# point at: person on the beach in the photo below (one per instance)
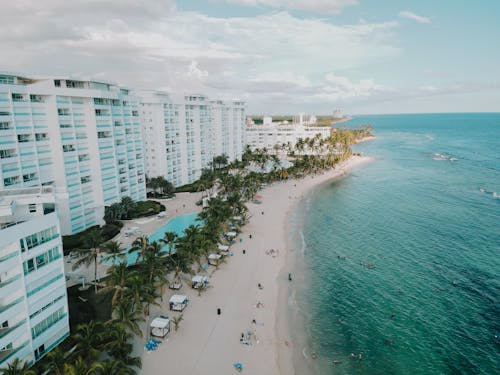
(259, 285)
(289, 277)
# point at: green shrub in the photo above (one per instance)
(147, 208)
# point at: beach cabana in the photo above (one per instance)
(231, 234)
(178, 302)
(160, 326)
(223, 248)
(237, 218)
(162, 214)
(198, 280)
(214, 259)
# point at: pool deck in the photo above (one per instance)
(183, 203)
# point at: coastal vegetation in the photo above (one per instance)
(102, 344)
(126, 209)
(160, 188)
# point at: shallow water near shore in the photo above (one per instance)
(400, 259)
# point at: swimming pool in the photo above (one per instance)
(177, 225)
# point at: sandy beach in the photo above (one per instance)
(208, 343)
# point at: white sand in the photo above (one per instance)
(207, 343)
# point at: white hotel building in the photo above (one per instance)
(33, 301)
(82, 137)
(266, 136)
(181, 137)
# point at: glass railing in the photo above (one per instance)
(45, 284)
(50, 325)
(42, 241)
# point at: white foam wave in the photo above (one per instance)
(303, 243)
(438, 156)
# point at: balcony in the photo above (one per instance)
(6, 333)
(6, 354)
(6, 307)
(13, 310)
(11, 285)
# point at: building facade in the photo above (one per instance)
(267, 136)
(82, 137)
(33, 300)
(181, 137)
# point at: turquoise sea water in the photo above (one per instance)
(426, 214)
(177, 225)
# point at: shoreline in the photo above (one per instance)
(209, 343)
(297, 360)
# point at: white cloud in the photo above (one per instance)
(150, 44)
(319, 6)
(414, 17)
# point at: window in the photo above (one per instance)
(41, 136)
(57, 83)
(32, 208)
(29, 266)
(8, 181)
(4, 125)
(41, 260)
(68, 148)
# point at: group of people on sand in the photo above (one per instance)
(274, 253)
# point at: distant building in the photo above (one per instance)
(33, 298)
(304, 119)
(83, 137)
(337, 114)
(181, 137)
(267, 120)
(261, 136)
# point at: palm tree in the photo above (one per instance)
(177, 320)
(125, 315)
(88, 341)
(180, 263)
(128, 207)
(115, 367)
(16, 367)
(140, 244)
(91, 252)
(169, 239)
(117, 281)
(55, 361)
(113, 251)
(119, 347)
(79, 367)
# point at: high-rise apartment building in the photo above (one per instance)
(33, 300)
(181, 137)
(82, 137)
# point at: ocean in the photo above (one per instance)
(400, 260)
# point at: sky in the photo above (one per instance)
(280, 56)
